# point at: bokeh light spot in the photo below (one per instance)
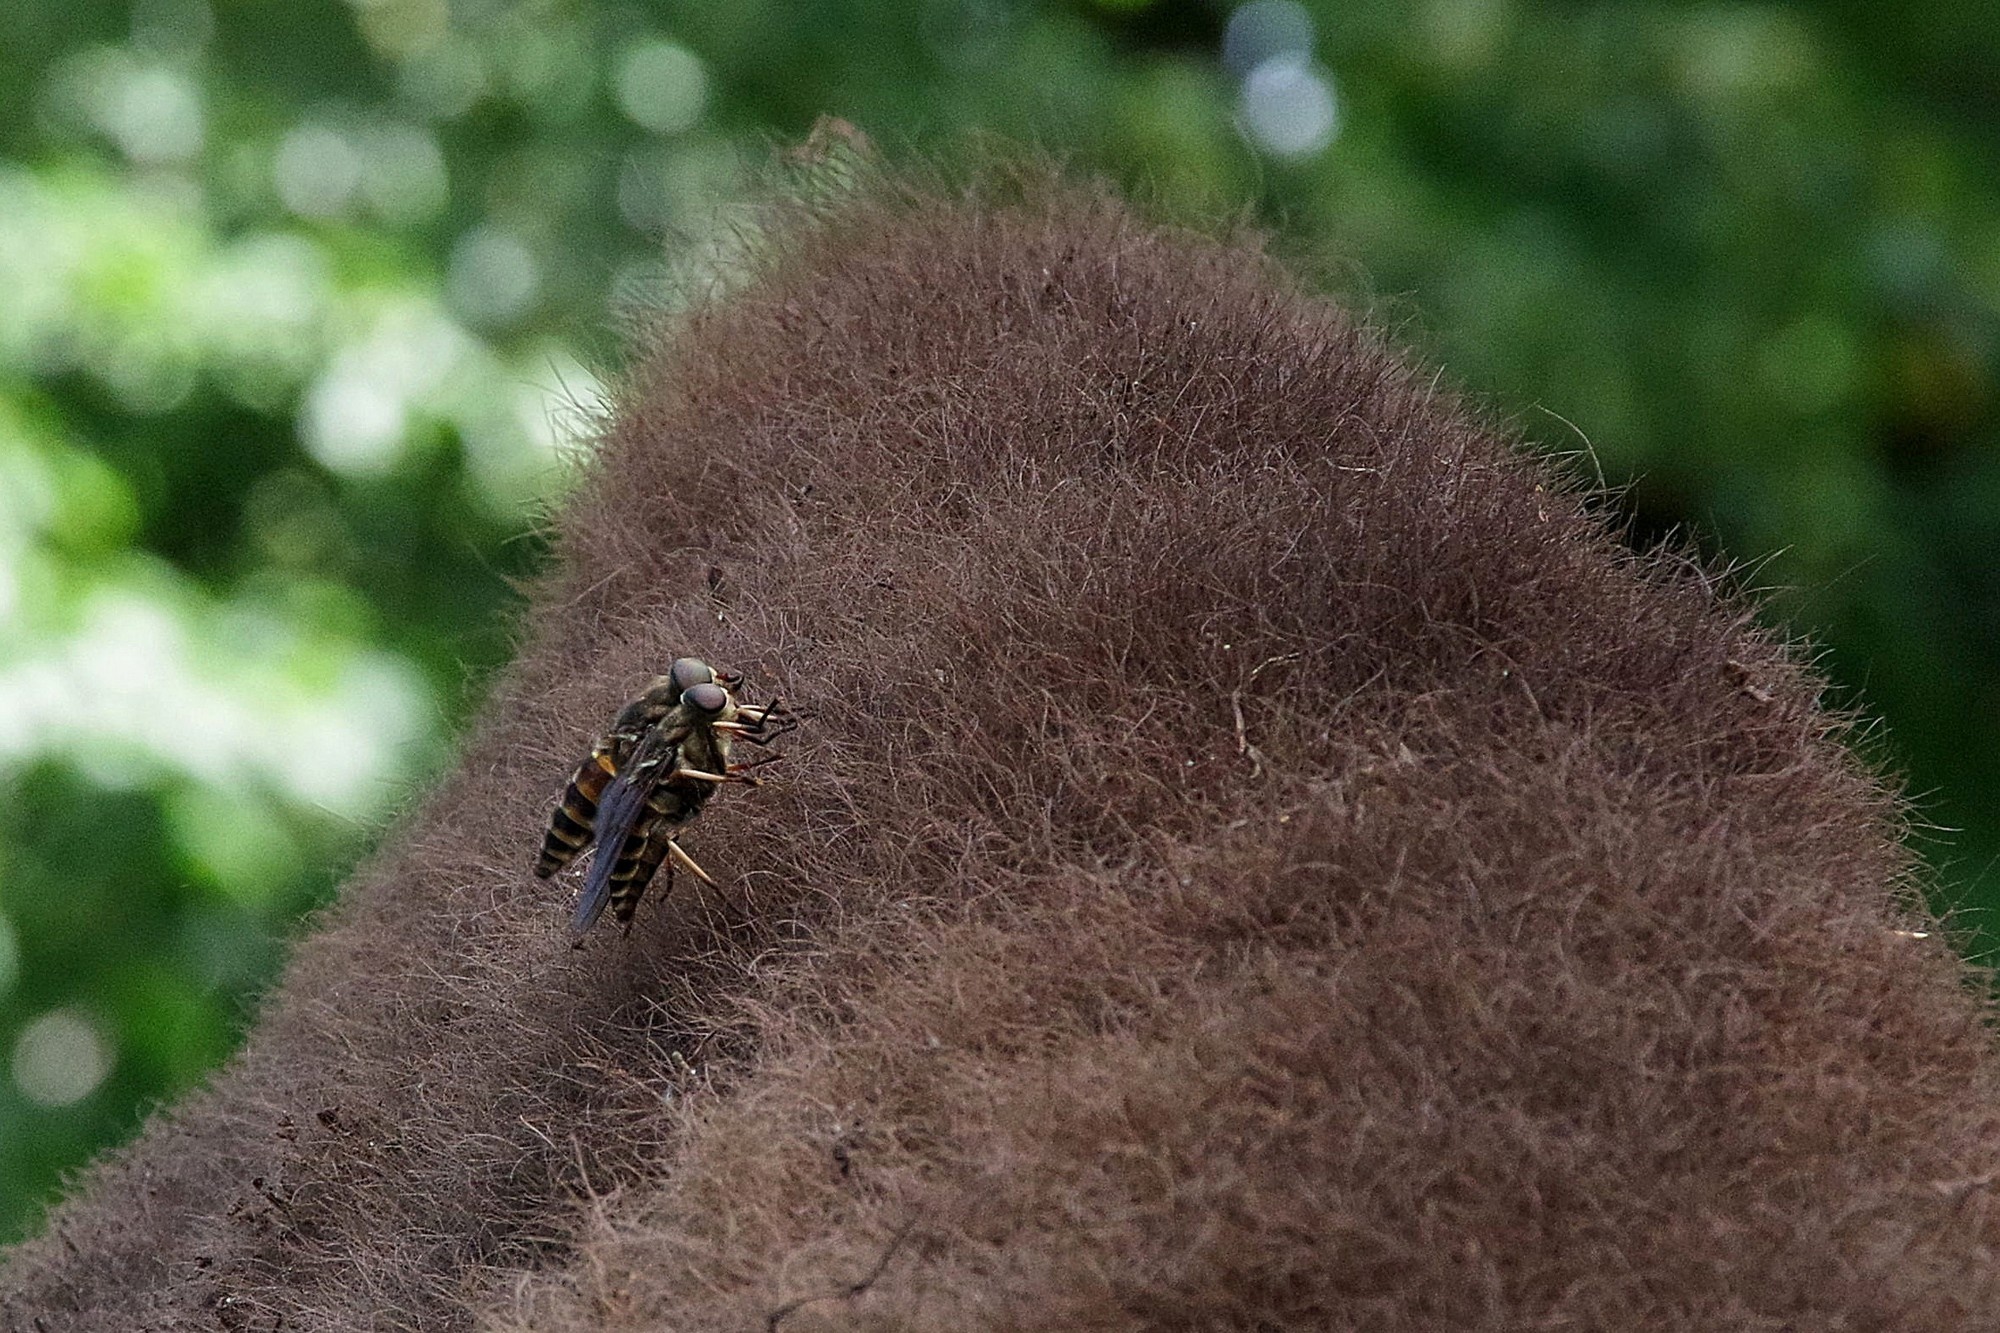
(347, 747)
(150, 109)
(264, 305)
(60, 1058)
(316, 171)
(403, 174)
(400, 29)
(354, 420)
(661, 86)
(1727, 52)
(154, 114)
(671, 187)
(1288, 107)
(234, 838)
(493, 276)
(1265, 30)
(445, 81)
(1467, 34)
(172, 27)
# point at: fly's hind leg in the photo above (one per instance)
(688, 863)
(751, 765)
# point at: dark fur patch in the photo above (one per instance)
(1260, 855)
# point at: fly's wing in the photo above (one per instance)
(617, 818)
(573, 825)
(623, 815)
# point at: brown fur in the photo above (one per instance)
(1260, 856)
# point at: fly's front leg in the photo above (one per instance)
(767, 722)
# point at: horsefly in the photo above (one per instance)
(649, 777)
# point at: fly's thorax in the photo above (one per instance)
(662, 741)
(672, 804)
(658, 696)
(663, 694)
(705, 749)
(636, 716)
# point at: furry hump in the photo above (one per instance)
(1260, 855)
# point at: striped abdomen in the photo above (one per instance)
(574, 822)
(669, 807)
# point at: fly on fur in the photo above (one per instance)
(646, 779)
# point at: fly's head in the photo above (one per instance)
(663, 693)
(707, 745)
(716, 718)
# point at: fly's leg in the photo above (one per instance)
(766, 722)
(697, 775)
(674, 850)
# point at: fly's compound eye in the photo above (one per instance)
(707, 697)
(688, 672)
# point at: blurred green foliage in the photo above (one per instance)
(297, 303)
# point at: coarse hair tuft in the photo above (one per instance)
(1260, 855)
